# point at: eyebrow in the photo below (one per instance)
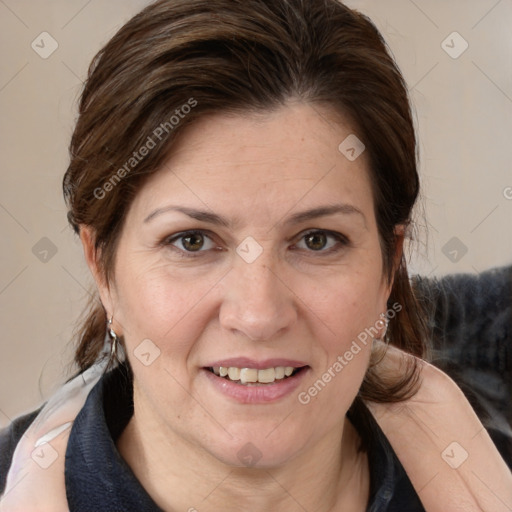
(297, 218)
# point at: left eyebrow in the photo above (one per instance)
(324, 211)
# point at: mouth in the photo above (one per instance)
(250, 381)
(255, 376)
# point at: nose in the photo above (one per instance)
(256, 302)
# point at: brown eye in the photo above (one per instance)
(193, 242)
(316, 241)
(322, 242)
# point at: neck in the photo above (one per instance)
(331, 475)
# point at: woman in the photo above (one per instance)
(242, 178)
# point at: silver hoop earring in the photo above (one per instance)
(385, 319)
(114, 341)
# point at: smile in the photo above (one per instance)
(254, 376)
(250, 382)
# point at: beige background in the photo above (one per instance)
(464, 115)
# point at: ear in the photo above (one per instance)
(88, 239)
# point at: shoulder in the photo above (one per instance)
(9, 437)
(436, 431)
(453, 389)
(444, 403)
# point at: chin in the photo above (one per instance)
(262, 448)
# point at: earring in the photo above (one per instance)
(113, 335)
(385, 320)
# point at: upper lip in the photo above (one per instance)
(245, 362)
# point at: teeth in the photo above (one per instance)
(252, 375)
(280, 372)
(248, 375)
(233, 373)
(266, 376)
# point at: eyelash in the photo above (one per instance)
(342, 242)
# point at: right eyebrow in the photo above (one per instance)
(201, 215)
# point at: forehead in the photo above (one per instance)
(268, 163)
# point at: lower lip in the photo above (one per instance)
(256, 394)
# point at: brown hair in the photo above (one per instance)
(240, 56)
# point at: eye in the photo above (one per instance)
(321, 241)
(191, 241)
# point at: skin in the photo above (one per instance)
(292, 301)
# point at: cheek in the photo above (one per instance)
(345, 317)
(346, 310)
(161, 305)
(346, 305)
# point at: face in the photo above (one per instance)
(254, 247)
